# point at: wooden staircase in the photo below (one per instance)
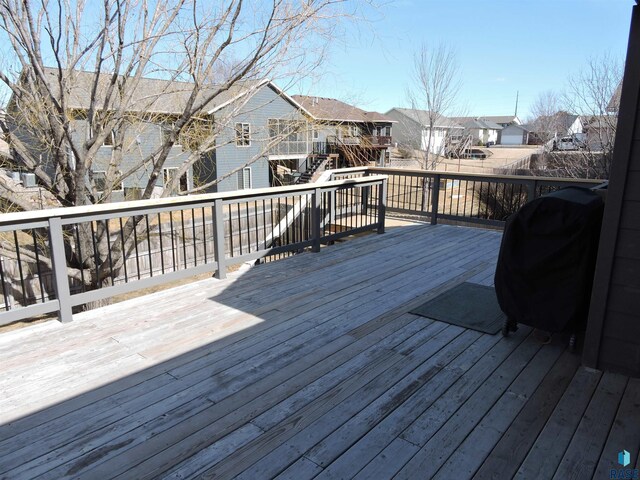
(317, 162)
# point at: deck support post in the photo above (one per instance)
(435, 199)
(60, 277)
(218, 241)
(382, 205)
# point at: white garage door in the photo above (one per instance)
(512, 139)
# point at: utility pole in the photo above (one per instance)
(517, 95)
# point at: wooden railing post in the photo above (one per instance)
(382, 205)
(435, 199)
(218, 240)
(316, 219)
(60, 277)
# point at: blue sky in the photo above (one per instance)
(503, 46)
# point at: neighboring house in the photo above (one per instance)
(549, 129)
(614, 103)
(514, 135)
(482, 131)
(413, 130)
(600, 132)
(356, 136)
(245, 117)
(268, 130)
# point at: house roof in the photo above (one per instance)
(502, 118)
(600, 121)
(477, 122)
(525, 128)
(422, 116)
(566, 119)
(151, 95)
(330, 109)
(614, 104)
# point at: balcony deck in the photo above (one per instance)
(309, 366)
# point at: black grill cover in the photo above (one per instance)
(547, 260)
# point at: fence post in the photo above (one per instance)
(218, 240)
(60, 277)
(316, 219)
(435, 199)
(382, 205)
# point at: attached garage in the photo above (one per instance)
(514, 135)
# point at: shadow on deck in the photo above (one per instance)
(310, 366)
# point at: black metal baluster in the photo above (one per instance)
(195, 243)
(5, 294)
(184, 239)
(106, 228)
(175, 262)
(230, 230)
(146, 219)
(136, 222)
(24, 295)
(239, 226)
(96, 256)
(80, 260)
(35, 249)
(124, 256)
(204, 235)
(161, 247)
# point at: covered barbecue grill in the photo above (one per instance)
(547, 260)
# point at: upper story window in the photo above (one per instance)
(243, 134)
(168, 174)
(109, 140)
(387, 131)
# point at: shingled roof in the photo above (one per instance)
(422, 117)
(151, 95)
(330, 109)
(477, 122)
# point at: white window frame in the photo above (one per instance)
(164, 178)
(112, 135)
(118, 173)
(242, 175)
(241, 133)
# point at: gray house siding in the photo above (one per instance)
(265, 104)
(406, 133)
(613, 332)
(141, 139)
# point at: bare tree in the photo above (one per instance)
(589, 95)
(545, 118)
(433, 93)
(203, 52)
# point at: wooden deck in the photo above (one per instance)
(310, 367)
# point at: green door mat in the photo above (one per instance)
(468, 305)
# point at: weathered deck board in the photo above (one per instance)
(307, 367)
